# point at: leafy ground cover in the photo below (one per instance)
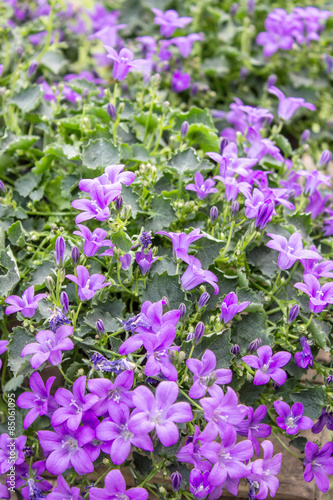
(165, 246)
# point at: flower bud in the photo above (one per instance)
(224, 143)
(233, 9)
(75, 255)
(184, 129)
(271, 80)
(194, 89)
(85, 93)
(125, 261)
(32, 68)
(204, 298)
(264, 214)
(119, 202)
(199, 331)
(305, 136)
(49, 283)
(111, 111)
(2, 187)
(28, 451)
(325, 158)
(294, 312)
(60, 248)
(182, 309)
(100, 326)
(235, 350)
(176, 479)
(19, 52)
(329, 380)
(254, 345)
(234, 207)
(165, 303)
(64, 301)
(214, 213)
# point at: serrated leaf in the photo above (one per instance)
(9, 279)
(204, 136)
(10, 142)
(130, 198)
(218, 343)
(63, 150)
(320, 332)
(162, 214)
(27, 100)
(53, 60)
(282, 142)
(16, 234)
(164, 265)
(185, 161)
(313, 400)
(26, 184)
(208, 249)
(41, 272)
(19, 338)
(100, 153)
(264, 259)
(122, 241)
(164, 286)
(252, 326)
(195, 115)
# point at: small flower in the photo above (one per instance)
(145, 239)
(195, 275)
(169, 21)
(60, 250)
(180, 81)
(145, 260)
(264, 471)
(325, 418)
(252, 428)
(49, 346)
(64, 492)
(10, 458)
(304, 359)
(205, 376)
(92, 241)
(123, 62)
(88, 285)
(39, 400)
(268, 366)
(201, 187)
(318, 464)
(290, 251)
(291, 419)
(319, 295)
(230, 307)
(182, 241)
(27, 305)
(3, 348)
(110, 393)
(265, 214)
(115, 487)
(57, 319)
(288, 105)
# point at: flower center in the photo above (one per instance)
(158, 417)
(125, 433)
(75, 404)
(114, 395)
(70, 444)
(291, 422)
(319, 294)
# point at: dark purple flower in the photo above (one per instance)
(93, 241)
(64, 301)
(119, 202)
(252, 428)
(87, 285)
(169, 21)
(39, 400)
(294, 312)
(32, 68)
(57, 319)
(288, 105)
(145, 260)
(318, 464)
(63, 492)
(205, 377)
(27, 305)
(291, 419)
(290, 251)
(204, 298)
(182, 310)
(253, 346)
(230, 307)
(235, 350)
(329, 380)
(110, 393)
(100, 327)
(304, 359)
(11, 452)
(305, 136)
(265, 213)
(264, 471)
(145, 239)
(180, 81)
(60, 248)
(123, 62)
(182, 241)
(176, 479)
(319, 295)
(325, 418)
(195, 275)
(49, 346)
(326, 157)
(115, 487)
(268, 366)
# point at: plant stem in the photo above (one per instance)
(229, 239)
(286, 447)
(65, 377)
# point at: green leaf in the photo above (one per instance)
(122, 241)
(13, 383)
(209, 249)
(53, 193)
(185, 161)
(63, 150)
(283, 143)
(130, 198)
(10, 142)
(249, 394)
(302, 223)
(19, 338)
(219, 343)
(54, 61)
(164, 286)
(27, 99)
(195, 115)
(142, 464)
(41, 272)
(100, 153)
(320, 332)
(43, 164)
(313, 400)
(164, 265)
(162, 214)
(16, 234)
(252, 326)
(12, 277)
(26, 184)
(109, 313)
(256, 299)
(264, 259)
(204, 136)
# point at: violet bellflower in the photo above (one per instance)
(265, 214)
(64, 492)
(145, 260)
(160, 411)
(182, 241)
(57, 318)
(205, 376)
(49, 346)
(319, 295)
(95, 208)
(11, 452)
(27, 305)
(200, 485)
(87, 285)
(292, 419)
(279, 26)
(317, 205)
(264, 471)
(180, 81)
(123, 62)
(268, 366)
(195, 275)
(229, 162)
(3, 348)
(304, 359)
(203, 299)
(318, 464)
(252, 428)
(191, 451)
(158, 358)
(125, 260)
(318, 269)
(325, 158)
(185, 43)
(169, 21)
(290, 250)
(230, 307)
(288, 105)
(110, 393)
(151, 319)
(92, 241)
(325, 418)
(111, 180)
(115, 487)
(39, 400)
(313, 180)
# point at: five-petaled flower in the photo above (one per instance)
(27, 305)
(230, 307)
(115, 488)
(267, 365)
(290, 250)
(87, 285)
(318, 464)
(292, 419)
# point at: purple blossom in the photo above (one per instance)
(169, 21)
(110, 393)
(260, 147)
(145, 260)
(195, 275)
(290, 250)
(111, 180)
(182, 241)
(145, 239)
(3, 348)
(160, 411)
(317, 205)
(304, 359)
(158, 359)
(27, 305)
(11, 452)
(279, 27)
(268, 366)
(313, 180)
(92, 241)
(318, 269)
(291, 185)
(115, 487)
(123, 62)
(230, 164)
(325, 418)
(204, 298)
(180, 81)
(205, 376)
(125, 261)
(87, 285)
(325, 158)
(39, 400)
(288, 105)
(319, 295)
(63, 492)
(185, 43)
(97, 207)
(318, 464)
(253, 204)
(200, 485)
(264, 471)
(252, 428)
(230, 307)
(176, 479)
(294, 312)
(191, 452)
(265, 214)
(66, 449)
(291, 419)
(151, 319)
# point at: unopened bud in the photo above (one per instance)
(75, 255)
(125, 261)
(294, 312)
(271, 80)
(19, 52)
(235, 350)
(182, 309)
(60, 248)
(2, 187)
(112, 111)
(223, 144)
(234, 207)
(32, 68)
(49, 283)
(176, 479)
(254, 345)
(305, 136)
(204, 298)
(119, 202)
(64, 301)
(85, 93)
(213, 213)
(184, 129)
(100, 326)
(325, 158)
(199, 331)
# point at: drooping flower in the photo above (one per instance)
(292, 419)
(64, 492)
(288, 105)
(115, 487)
(264, 471)
(205, 376)
(319, 295)
(252, 428)
(123, 62)
(268, 366)
(87, 285)
(11, 452)
(145, 260)
(27, 305)
(111, 393)
(304, 359)
(92, 241)
(290, 251)
(195, 275)
(318, 464)
(182, 241)
(230, 307)
(169, 21)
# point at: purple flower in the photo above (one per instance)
(185, 43)
(195, 275)
(158, 359)
(265, 214)
(252, 428)
(57, 318)
(92, 241)
(325, 418)
(11, 452)
(314, 179)
(205, 376)
(230, 307)
(72, 406)
(64, 301)
(317, 205)
(229, 162)
(180, 81)
(288, 105)
(304, 359)
(200, 485)
(291, 419)
(66, 449)
(111, 180)
(27, 305)
(253, 204)
(123, 62)
(176, 479)
(260, 147)
(145, 239)
(268, 366)
(88, 285)
(39, 400)
(318, 464)
(290, 251)
(110, 393)
(3, 348)
(204, 298)
(279, 27)
(169, 21)
(63, 492)
(145, 260)
(115, 487)
(182, 241)
(97, 207)
(151, 319)
(319, 295)
(60, 250)
(160, 411)
(125, 261)
(49, 346)
(264, 471)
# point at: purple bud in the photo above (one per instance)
(233, 9)
(176, 479)
(264, 214)
(125, 261)
(165, 302)
(194, 89)
(2, 187)
(182, 310)
(326, 157)
(329, 380)
(254, 345)
(199, 331)
(275, 386)
(271, 80)
(60, 248)
(223, 144)
(305, 136)
(184, 129)
(243, 73)
(119, 202)
(28, 451)
(100, 326)
(64, 301)
(214, 213)
(19, 52)
(112, 111)
(235, 350)
(204, 298)
(234, 207)
(294, 312)
(250, 6)
(85, 93)
(32, 68)
(75, 255)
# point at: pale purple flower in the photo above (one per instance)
(185, 43)
(123, 62)
(195, 275)
(205, 376)
(87, 285)
(264, 471)
(158, 359)
(169, 21)
(317, 205)
(3, 348)
(125, 261)
(27, 305)
(319, 295)
(279, 27)
(145, 260)
(318, 464)
(182, 241)
(328, 227)
(230, 307)
(290, 250)
(254, 202)
(11, 452)
(49, 346)
(200, 485)
(95, 208)
(268, 366)
(108, 35)
(233, 187)
(180, 81)
(260, 147)
(292, 419)
(115, 487)
(39, 400)
(304, 359)
(160, 411)
(291, 185)
(151, 319)
(111, 180)
(325, 418)
(110, 393)
(314, 179)
(191, 452)
(229, 162)
(92, 241)
(64, 492)
(252, 428)
(288, 105)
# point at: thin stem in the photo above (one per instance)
(103, 475)
(308, 323)
(191, 400)
(77, 314)
(65, 377)
(229, 239)
(286, 446)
